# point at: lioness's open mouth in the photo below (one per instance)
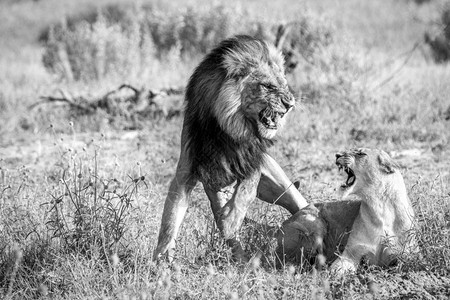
(269, 118)
(351, 178)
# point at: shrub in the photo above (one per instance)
(304, 39)
(419, 2)
(87, 218)
(89, 212)
(91, 51)
(112, 14)
(195, 31)
(122, 39)
(439, 43)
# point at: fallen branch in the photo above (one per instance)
(126, 101)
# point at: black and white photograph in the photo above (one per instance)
(238, 149)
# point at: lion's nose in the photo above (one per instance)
(288, 105)
(288, 101)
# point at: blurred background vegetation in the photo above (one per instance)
(339, 56)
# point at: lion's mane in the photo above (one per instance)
(223, 143)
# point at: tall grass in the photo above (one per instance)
(80, 214)
(79, 232)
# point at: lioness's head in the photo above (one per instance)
(255, 97)
(363, 168)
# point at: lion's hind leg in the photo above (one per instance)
(230, 210)
(218, 199)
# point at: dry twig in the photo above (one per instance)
(140, 101)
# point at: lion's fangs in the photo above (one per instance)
(269, 118)
(350, 180)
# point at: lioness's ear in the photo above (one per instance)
(387, 164)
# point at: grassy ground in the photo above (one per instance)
(81, 201)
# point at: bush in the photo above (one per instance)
(122, 39)
(91, 51)
(304, 39)
(439, 43)
(194, 31)
(112, 14)
(86, 216)
(90, 213)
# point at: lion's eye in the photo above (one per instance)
(358, 152)
(268, 86)
(361, 153)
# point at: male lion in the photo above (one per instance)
(378, 226)
(236, 102)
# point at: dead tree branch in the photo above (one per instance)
(125, 101)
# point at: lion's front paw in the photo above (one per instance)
(164, 252)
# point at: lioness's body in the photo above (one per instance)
(383, 228)
(236, 101)
(319, 228)
(378, 225)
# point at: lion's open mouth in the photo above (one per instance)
(351, 178)
(269, 118)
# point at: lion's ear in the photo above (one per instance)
(387, 164)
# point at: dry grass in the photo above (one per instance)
(80, 201)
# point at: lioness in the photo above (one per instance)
(378, 226)
(383, 227)
(237, 100)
